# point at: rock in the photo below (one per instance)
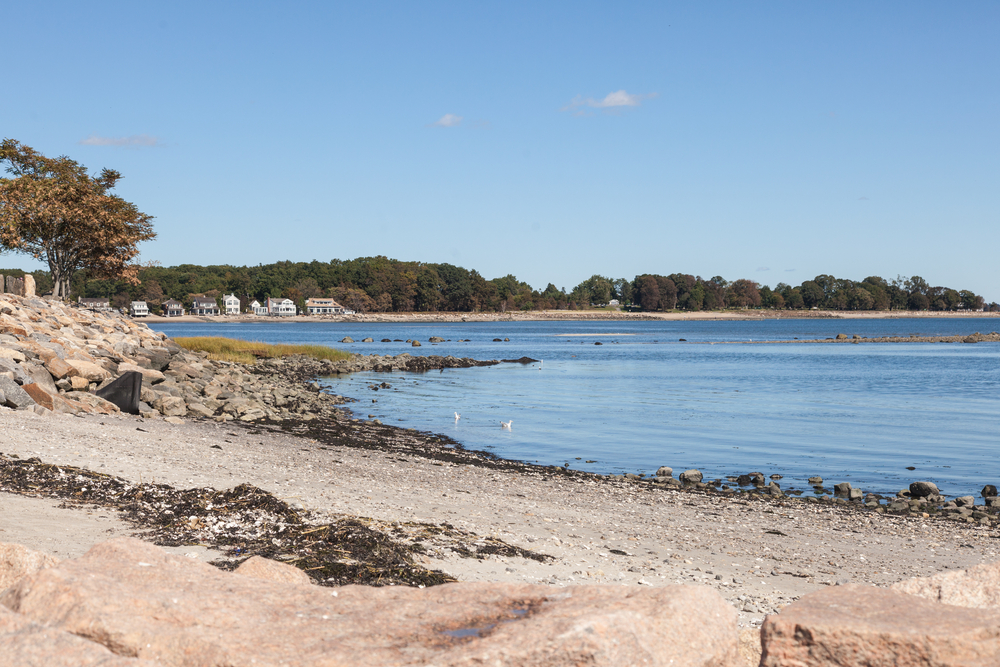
(89, 370)
(14, 396)
(346, 339)
(13, 355)
(173, 420)
(18, 561)
(368, 340)
(272, 570)
(435, 339)
(965, 501)
(40, 376)
(664, 471)
(691, 476)
(16, 372)
(841, 336)
(864, 625)
(59, 369)
(923, 489)
(989, 491)
(842, 489)
(170, 406)
(977, 587)
(124, 391)
(77, 383)
(199, 410)
(855, 494)
(149, 375)
(148, 604)
(29, 286)
(92, 402)
(415, 343)
(816, 481)
(25, 643)
(40, 396)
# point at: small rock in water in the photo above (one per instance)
(346, 339)
(923, 489)
(989, 491)
(692, 476)
(667, 471)
(965, 501)
(842, 489)
(816, 481)
(775, 476)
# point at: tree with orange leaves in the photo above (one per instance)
(53, 210)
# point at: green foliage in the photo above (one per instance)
(247, 352)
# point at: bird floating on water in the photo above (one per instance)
(506, 425)
(457, 417)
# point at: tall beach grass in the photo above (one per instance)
(249, 351)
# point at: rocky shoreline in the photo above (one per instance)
(261, 462)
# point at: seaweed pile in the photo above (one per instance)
(247, 521)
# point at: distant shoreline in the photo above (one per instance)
(574, 315)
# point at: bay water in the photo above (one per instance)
(718, 401)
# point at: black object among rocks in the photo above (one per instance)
(124, 392)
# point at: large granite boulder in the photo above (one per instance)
(139, 601)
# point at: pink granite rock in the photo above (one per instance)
(978, 587)
(24, 643)
(139, 601)
(17, 561)
(272, 570)
(864, 626)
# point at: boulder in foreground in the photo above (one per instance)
(137, 600)
(864, 626)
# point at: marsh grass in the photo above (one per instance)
(249, 351)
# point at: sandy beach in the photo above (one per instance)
(760, 554)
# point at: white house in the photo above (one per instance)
(204, 305)
(280, 307)
(231, 303)
(172, 308)
(94, 304)
(323, 307)
(257, 308)
(139, 309)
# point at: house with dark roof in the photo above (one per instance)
(281, 307)
(204, 305)
(172, 308)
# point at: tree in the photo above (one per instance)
(55, 211)
(649, 292)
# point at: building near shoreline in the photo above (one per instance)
(138, 309)
(172, 308)
(258, 309)
(323, 307)
(94, 303)
(281, 307)
(231, 304)
(204, 305)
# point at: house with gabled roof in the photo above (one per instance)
(138, 309)
(257, 308)
(231, 304)
(204, 305)
(281, 307)
(322, 306)
(172, 308)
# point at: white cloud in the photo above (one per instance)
(619, 98)
(133, 141)
(763, 268)
(448, 120)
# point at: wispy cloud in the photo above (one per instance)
(447, 120)
(617, 99)
(763, 268)
(862, 198)
(133, 141)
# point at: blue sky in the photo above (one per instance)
(772, 141)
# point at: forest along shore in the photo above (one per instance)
(580, 315)
(232, 483)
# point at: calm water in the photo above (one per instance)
(860, 413)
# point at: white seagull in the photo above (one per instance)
(506, 425)
(457, 417)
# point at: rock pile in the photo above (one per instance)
(54, 357)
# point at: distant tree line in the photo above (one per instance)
(379, 284)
